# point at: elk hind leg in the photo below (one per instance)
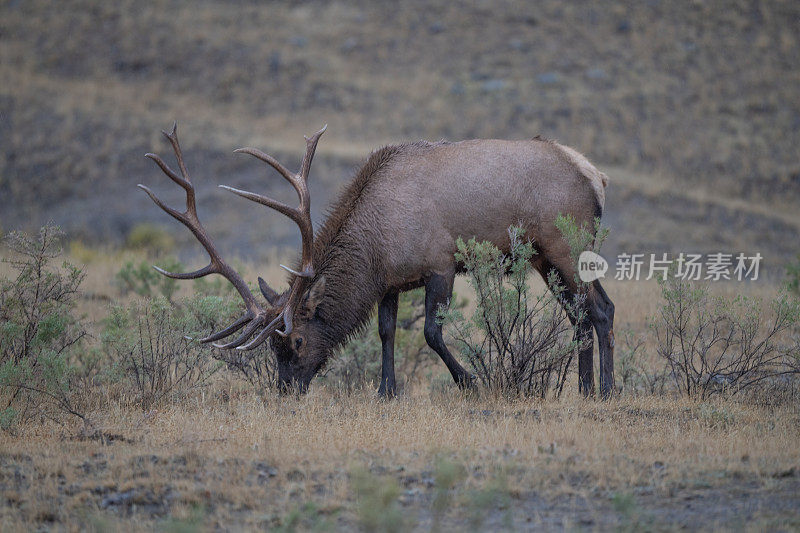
(601, 309)
(574, 305)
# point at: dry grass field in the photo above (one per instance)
(691, 108)
(207, 464)
(223, 457)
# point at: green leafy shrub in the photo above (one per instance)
(580, 238)
(215, 286)
(142, 279)
(377, 502)
(155, 348)
(40, 333)
(517, 342)
(150, 238)
(636, 372)
(713, 344)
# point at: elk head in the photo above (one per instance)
(299, 346)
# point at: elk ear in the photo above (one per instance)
(314, 295)
(267, 291)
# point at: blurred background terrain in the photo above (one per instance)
(691, 108)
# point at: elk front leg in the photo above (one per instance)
(438, 290)
(387, 323)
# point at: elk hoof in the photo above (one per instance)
(386, 394)
(467, 381)
(606, 390)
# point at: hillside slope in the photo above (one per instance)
(692, 108)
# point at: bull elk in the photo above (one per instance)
(394, 228)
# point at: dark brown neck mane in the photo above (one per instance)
(346, 255)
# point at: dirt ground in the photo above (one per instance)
(425, 461)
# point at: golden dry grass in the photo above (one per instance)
(247, 463)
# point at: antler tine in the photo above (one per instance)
(301, 215)
(311, 147)
(184, 181)
(254, 314)
(241, 339)
(271, 161)
(271, 328)
(233, 328)
(280, 207)
(306, 228)
(172, 137)
(199, 273)
(171, 212)
(168, 171)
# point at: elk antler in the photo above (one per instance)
(254, 314)
(301, 216)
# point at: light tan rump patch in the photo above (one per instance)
(598, 179)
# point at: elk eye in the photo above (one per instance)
(298, 342)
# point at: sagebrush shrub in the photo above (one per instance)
(636, 371)
(581, 238)
(140, 278)
(715, 344)
(153, 345)
(40, 333)
(517, 342)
